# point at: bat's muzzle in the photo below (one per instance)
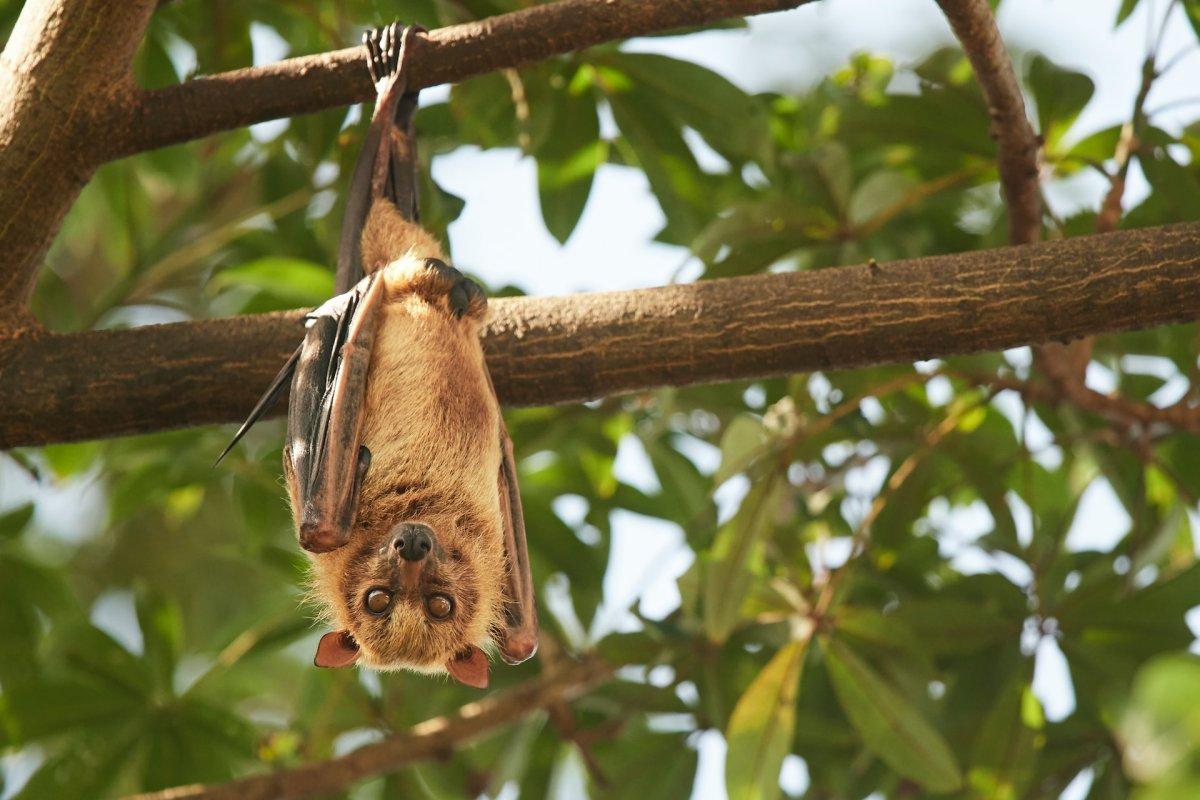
(414, 541)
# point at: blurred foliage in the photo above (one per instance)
(880, 556)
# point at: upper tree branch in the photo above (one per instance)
(431, 739)
(553, 350)
(302, 85)
(68, 103)
(64, 59)
(1018, 145)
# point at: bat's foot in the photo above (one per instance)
(442, 286)
(464, 297)
(385, 47)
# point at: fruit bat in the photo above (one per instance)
(398, 463)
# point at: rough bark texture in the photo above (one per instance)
(1018, 145)
(564, 349)
(431, 739)
(311, 83)
(63, 60)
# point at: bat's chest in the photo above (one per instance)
(430, 416)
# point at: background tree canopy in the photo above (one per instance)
(878, 558)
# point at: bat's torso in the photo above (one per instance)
(431, 419)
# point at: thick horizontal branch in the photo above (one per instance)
(431, 739)
(567, 349)
(302, 85)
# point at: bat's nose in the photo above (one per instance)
(413, 541)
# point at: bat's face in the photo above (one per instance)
(423, 593)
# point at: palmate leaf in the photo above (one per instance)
(890, 726)
(761, 726)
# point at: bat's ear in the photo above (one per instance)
(336, 649)
(470, 667)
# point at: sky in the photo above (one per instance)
(500, 236)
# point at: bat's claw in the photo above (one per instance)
(464, 297)
(385, 46)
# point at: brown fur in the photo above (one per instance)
(432, 426)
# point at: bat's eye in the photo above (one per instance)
(378, 601)
(439, 606)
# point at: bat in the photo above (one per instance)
(398, 463)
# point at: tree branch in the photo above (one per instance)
(567, 349)
(431, 739)
(302, 85)
(1018, 145)
(64, 58)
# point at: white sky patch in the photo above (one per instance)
(632, 465)
(1052, 680)
(646, 558)
(115, 614)
(1101, 520)
(794, 777)
(710, 772)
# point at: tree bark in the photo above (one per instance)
(302, 85)
(64, 59)
(1017, 144)
(568, 349)
(68, 100)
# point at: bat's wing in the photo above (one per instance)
(386, 167)
(519, 637)
(387, 163)
(325, 462)
(264, 403)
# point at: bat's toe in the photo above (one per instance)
(464, 296)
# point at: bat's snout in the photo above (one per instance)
(414, 541)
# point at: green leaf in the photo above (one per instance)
(729, 570)
(889, 725)
(741, 444)
(1192, 9)
(654, 142)
(1005, 754)
(299, 282)
(568, 156)
(13, 521)
(702, 100)
(947, 626)
(878, 193)
(761, 726)
(1061, 95)
(162, 635)
(1127, 8)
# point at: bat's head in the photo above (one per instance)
(425, 593)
